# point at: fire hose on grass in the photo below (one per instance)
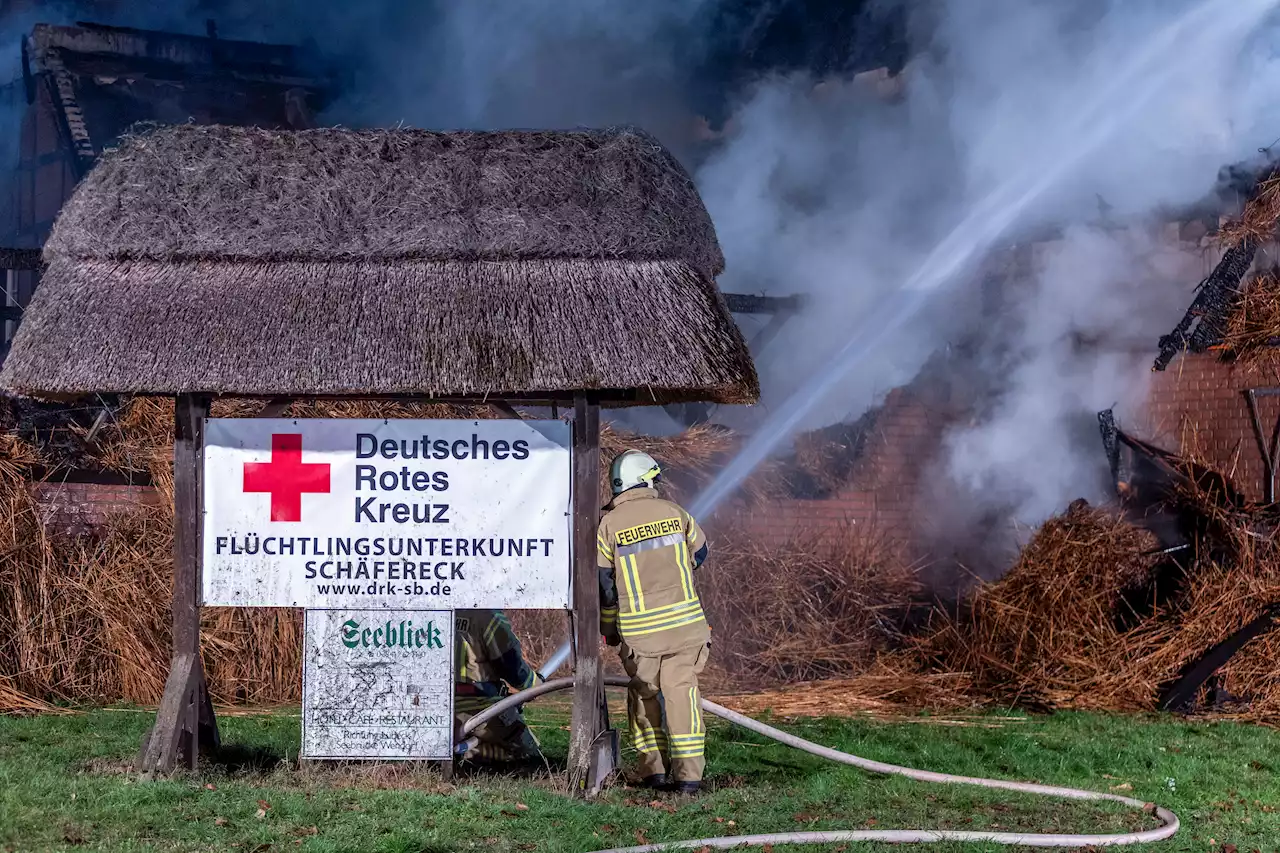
(1168, 820)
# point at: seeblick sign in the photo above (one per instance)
(377, 684)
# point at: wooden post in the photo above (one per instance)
(185, 717)
(588, 689)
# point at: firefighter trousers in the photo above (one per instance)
(675, 748)
(503, 738)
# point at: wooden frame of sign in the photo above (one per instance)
(185, 721)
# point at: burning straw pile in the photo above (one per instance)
(1093, 616)
(1051, 629)
(1260, 218)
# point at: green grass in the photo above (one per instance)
(64, 785)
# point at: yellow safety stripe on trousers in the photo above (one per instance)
(651, 743)
(631, 580)
(688, 746)
(653, 736)
(640, 730)
(604, 548)
(695, 711)
(660, 619)
(686, 572)
(609, 615)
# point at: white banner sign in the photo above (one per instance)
(377, 684)
(407, 514)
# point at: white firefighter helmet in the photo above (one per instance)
(632, 468)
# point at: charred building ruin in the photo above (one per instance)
(80, 87)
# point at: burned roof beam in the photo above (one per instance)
(1204, 324)
(112, 65)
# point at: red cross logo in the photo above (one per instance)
(286, 477)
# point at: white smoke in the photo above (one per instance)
(839, 197)
(1079, 339)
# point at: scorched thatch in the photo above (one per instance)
(338, 262)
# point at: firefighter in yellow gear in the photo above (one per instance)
(648, 549)
(488, 657)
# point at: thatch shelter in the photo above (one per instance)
(564, 267)
(336, 262)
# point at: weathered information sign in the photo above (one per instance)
(404, 514)
(378, 684)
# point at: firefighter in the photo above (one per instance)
(488, 656)
(648, 550)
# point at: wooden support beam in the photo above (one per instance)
(745, 303)
(1181, 695)
(185, 719)
(275, 407)
(1269, 450)
(98, 423)
(590, 713)
(770, 331)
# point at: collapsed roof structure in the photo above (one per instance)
(82, 86)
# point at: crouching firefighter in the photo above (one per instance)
(488, 656)
(648, 550)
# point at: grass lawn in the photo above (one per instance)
(64, 785)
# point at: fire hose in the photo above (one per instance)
(1168, 820)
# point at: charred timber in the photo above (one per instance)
(743, 303)
(1205, 322)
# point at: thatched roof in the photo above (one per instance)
(338, 262)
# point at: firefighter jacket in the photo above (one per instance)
(648, 549)
(487, 654)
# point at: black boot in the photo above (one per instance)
(657, 781)
(686, 789)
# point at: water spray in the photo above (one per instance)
(557, 659)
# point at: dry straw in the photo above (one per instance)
(1260, 217)
(1253, 328)
(1048, 630)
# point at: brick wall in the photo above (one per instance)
(885, 481)
(1200, 403)
(79, 507)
